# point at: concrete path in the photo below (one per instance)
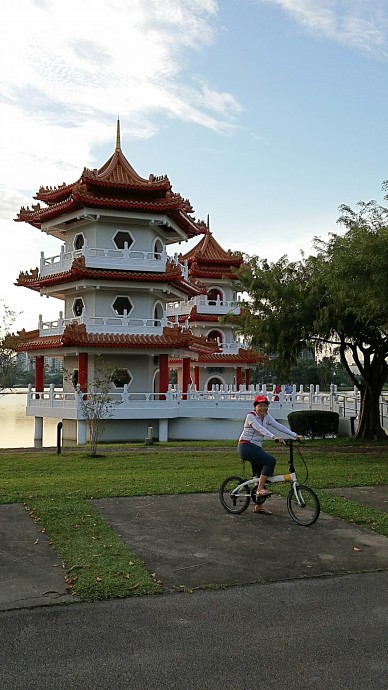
(31, 574)
(190, 541)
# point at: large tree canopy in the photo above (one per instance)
(337, 297)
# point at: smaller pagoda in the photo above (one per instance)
(213, 268)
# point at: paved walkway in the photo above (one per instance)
(191, 541)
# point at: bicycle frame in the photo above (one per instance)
(303, 506)
(276, 478)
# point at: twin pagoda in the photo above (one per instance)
(127, 307)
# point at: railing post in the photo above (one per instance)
(38, 432)
(149, 439)
(29, 390)
(332, 393)
(59, 437)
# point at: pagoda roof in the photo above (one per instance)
(243, 357)
(195, 316)
(208, 251)
(210, 261)
(76, 335)
(79, 271)
(114, 186)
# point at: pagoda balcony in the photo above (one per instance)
(118, 259)
(217, 307)
(231, 348)
(115, 325)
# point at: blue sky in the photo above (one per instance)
(266, 114)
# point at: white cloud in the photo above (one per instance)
(78, 58)
(68, 67)
(71, 65)
(358, 23)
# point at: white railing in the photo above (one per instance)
(196, 410)
(125, 259)
(204, 306)
(104, 324)
(224, 396)
(231, 348)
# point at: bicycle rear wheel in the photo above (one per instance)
(238, 502)
(303, 505)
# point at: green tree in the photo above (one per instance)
(337, 297)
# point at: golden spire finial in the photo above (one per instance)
(118, 144)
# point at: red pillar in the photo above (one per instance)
(247, 377)
(39, 374)
(164, 375)
(186, 376)
(83, 371)
(238, 378)
(196, 377)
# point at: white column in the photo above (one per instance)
(82, 428)
(163, 429)
(38, 432)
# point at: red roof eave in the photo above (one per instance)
(79, 272)
(76, 335)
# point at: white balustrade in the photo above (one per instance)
(228, 395)
(231, 348)
(221, 402)
(125, 259)
(123, 325)
(204, 306)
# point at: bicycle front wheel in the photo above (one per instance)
(303, 505)
(236, 502)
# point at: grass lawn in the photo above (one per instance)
(56, 490)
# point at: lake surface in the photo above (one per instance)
(17, 430)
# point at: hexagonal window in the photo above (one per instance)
(121, 305)
(78, 307)
(123, 238)
(79, 241)
(121, 377)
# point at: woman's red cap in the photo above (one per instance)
(260, 399)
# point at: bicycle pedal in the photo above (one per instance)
(259, 500)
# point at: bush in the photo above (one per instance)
(314, 423)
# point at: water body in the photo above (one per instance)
(16, 429)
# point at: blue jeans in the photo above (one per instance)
(261, 461)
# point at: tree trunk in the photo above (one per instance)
(374, 372)
(369, 426)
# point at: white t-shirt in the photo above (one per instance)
(255, 429)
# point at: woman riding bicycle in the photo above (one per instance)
(250, 445)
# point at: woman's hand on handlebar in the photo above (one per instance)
(279, 439)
